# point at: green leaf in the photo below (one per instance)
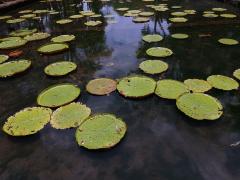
(222, 82)
(101, 86)
(60, 68)
(153, 66)
(159, 52)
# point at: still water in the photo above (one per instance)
(161, 143)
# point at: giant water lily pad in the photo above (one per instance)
(179, 36)
(200, 106)
(178, 13)
(153, 66)
(159, 52)
(236, 74)
(101, 86)
(93, 23)
(23, 32)
(76, 16)
(222, 82)
(3, 58)
(228, 15)
(37, 36)
(100, 132)
(146, 14)
(122, 9)
(152, 38)
(64, 21)
(28, 16)
(197, 85)
(27, 121)
(12, 44)
(13, 67)
(63, 38)
(58, 95)
(60, 68)
(140, 19)
(219, 9)
(71, 115)
(170, 89)
(11, 39)
(14, 21)
(228, 41)
(53, 48)
(5, 17)
(210, 15)
(178, 19)
(136, 86)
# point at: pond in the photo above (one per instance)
(161, 142)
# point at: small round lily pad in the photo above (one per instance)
(101, 86)
(228, 41)
(63, 38)
(159, 52)
(100, 132)
(197, 85)
(69, 116)
(179, 36)
(58, 95)
(200, 106)
(136, 86)
(13, 67)
(170, 89)
(222, 82)
(236, 74)
(53, 48)
(152, 38)
(37, 36)
(27, 121)
(60, 68)
(12, 44)
(153, 66)
(3, 58)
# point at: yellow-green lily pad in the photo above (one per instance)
(60, 68)
(64, 21)
(159, 52)
(228, 15)
(178, 13)
(210, 15)
(3, 58)
(140, 19)
(146, 14)
(236, 74)
(14, 21)
(12, 44)
(63, 38)
(101, 86)
(228, 41)
(153, 66)
(76, 16)
(219, 9)
(178, 19)
(222, 82)
(179, 36)
(197, 85)
(53, 48)
(23, 32)
(152, 38)
(37, 36)
(93, 23)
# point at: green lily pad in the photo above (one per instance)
(28, 16)
(159, 52)
(178, 13)
(69, 116)
(87, 13)
(197, 85)
(93, 23)
(100, 132)
(134, 11)
(190, 11)
(13, 67)
(136, 86)
(53, 48)
(179, 36)
(63, 38)
(170, 89)
(178, 19)
(11, 39)
(23, 32)
(40, 11)
(228, 15)
(219, 9)
(5, 17)
(101, 86)
(146, 14)
(122, 9)
(58, 95)
(27, 121)
(227, 41)
(14, 21)
(152, 38)
(210, 15)
(3, 58)
(12, 44)
(222, 82)
(140, 19)
(77, 16)
(236, 74)
(37, 36)
(153, 66)
(64, 21)
(60, 68)
(25, 11)
(200, 106)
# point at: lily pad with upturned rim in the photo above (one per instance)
(60, 68)
(210, 15)
(179, 36)
(159, 52)
(199, 106)
(27, 121)
(222, 82)
(23, 32)
(140, 19)
(3, 58)
(197, 85)
(152, 38)
(53, 48)
(63, 38)
(37, 36)
(69, 116)
(236, 74)
(58, 95)
(153, 66)
(100, 132)
(228, 41)
(12, 44)
(101, 86)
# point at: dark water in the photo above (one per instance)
(161, 143)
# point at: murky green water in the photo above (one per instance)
(161, 143)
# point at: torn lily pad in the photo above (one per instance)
(197, 85)
(101, 86)
(100, 132)
(37, 36)
(3, 58)
(53, 48)
(153, 66)
(236, 74)
(228, 41)
(152, 38)
(69, 116)
(222, 82)
(60, 68)
(200, 106)
(63, 38)
(159, 52)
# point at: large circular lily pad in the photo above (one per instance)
(63, 38)
(53, 48)
(28, 121)
(200, 106)
(153, 66)
(197, 85)
(37, 36)
(222, 82)
(3, 58)
(136, 86)
(60, 68)
(12, 44)
(101, 86)
(170, 89)
(228, 41)
(13, 67)
(159, 52)
(71, 115)
(58, 95)
(100, 132)
(152, 38)
(236, 74)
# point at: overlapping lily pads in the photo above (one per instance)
(100, 132)
(222, 82)
(152, 38)
(101, 86)
(52, 48)
(60, 68)
(159, 52)
(197, 85)
(63, 38)
(153, 66)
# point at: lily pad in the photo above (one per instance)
(69, 116)
(37, 36)
(179, 36)
(228, 15)
(153, 66)
(146, 14)
(27, 121)
(3, 58)
(134, 11)
(122, 9)
(159, 52)
(87, 13)
(53, 48)
(101, 86)
(93, 23)
(5, 17)
(222, 82)
(210, 15)
(197, 85)
(178, 13)
(152, 38)
(200, 106)
(236, 74)
(28, 16)
(23, 32)
(63, 38)
(64, 21)
(219, 9)
(60, 68)
(136, 86)
(227, 41)
(13, 67)
(140, 19)
(11, 39)
(14, 21)
(170, 89)
(12, 44)
(178, 19)
(58, 95)
(77, 16)
(100, 132)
